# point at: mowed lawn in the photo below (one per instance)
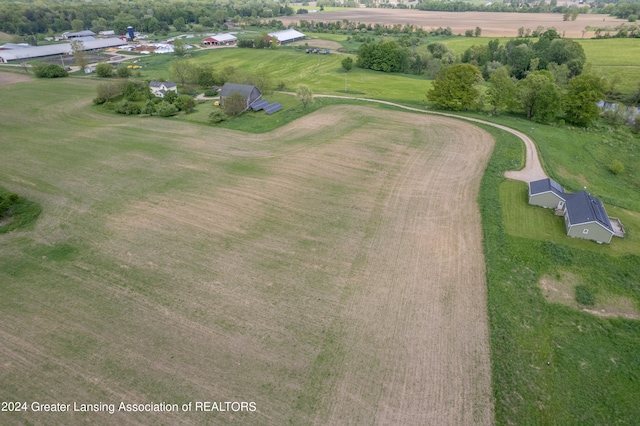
(302, 269)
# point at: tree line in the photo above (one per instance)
(621, 9)
(26, 18)
(544, 81)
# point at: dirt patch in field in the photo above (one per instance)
(562, 289)
(12, 78)
(492, 24)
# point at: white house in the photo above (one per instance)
(159, 88)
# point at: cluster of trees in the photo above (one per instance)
(136, 98)
(186, 71)
(564, 57)
(25, 17)
(540, 6)
(384, 56)
(262, 42)
(537, 95)
(542, 80)
(354, 27)
(392, 56)
(623, 31)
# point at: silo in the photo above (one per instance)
(130, 31)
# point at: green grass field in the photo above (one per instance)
(553, 364)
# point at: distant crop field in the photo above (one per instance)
(492, 24)
(314, 270)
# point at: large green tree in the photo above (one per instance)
(565, 51)
(501, 90)
(583, 92)
(79, 54)
(539, 96)
(454, 87)
(182, 70)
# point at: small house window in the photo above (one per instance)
(585, 231)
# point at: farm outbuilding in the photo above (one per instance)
(220, 40)
(56, 49)
(248, 92)
(72, 35)
(546, 193)
(286, 36)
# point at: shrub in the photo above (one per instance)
(149, 108)
(104, 70)
(134, 90)
(234, 105)
(616, 167)
(49, 71)
(217, 116)
(584, 296)
(128, 108)
(107, 91)
(165, 109)
(210, 93)
(186, 90)
(123, 72)
(170, 96)
(185, 103)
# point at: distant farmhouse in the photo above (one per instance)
(584, 215)
(160, 88)
(248, 92)
(220, 40)
(286, 36)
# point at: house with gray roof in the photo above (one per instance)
(249, 93)
(585, 217)
(546, 193)
(584, 214)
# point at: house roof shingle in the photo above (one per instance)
(167, 84)
(582, 207)
(244, 89)
(547, 185)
